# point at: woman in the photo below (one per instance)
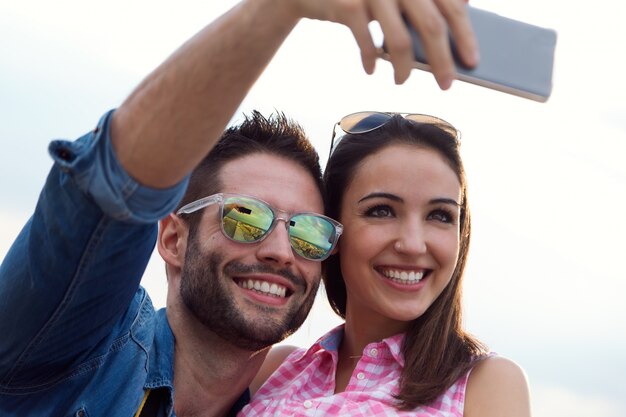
(398, 186)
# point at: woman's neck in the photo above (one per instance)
(358, 333)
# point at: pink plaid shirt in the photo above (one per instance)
(304, 384)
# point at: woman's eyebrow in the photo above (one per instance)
(443, 200)
(381, 195)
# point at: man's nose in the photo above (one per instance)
(276, 247)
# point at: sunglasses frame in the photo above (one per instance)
(415, 117)
(220, 198)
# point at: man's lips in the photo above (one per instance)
(265, 281)
(264, 287)
(271, 285)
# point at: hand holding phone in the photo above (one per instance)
(515, 57)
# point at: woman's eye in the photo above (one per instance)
(442, 216)
(379, 211)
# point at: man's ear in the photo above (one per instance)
(172, 240)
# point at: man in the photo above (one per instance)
(79, 335)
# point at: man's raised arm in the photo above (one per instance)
(177, 113)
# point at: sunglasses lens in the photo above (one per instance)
(246, 219)
(311, 236)
(363, 122)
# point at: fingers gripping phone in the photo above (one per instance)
(515, 57)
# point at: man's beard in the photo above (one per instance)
(205, 293)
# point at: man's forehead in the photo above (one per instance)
(282, 182)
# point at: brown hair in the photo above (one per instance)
(437, 351)
(274, 135)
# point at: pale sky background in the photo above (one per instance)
(545, 283)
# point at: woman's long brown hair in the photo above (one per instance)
(437, 351)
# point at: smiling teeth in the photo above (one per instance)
(264, 287)
(404, 277)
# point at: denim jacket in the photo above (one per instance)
(78, 335)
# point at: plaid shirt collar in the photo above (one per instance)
(390, 347)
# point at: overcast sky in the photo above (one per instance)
(545, 282)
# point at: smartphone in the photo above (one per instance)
(515, 57)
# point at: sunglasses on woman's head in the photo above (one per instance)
(246, 219)
(367, 121)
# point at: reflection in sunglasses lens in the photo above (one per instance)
(246, 220)
(311, 235)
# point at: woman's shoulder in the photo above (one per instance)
(275, 357)
(497, 386)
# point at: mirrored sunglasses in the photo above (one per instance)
(246, 219)
(367, 121)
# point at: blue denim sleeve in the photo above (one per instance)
(93, 166)
(72, 272)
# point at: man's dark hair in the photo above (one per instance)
(274, 135)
